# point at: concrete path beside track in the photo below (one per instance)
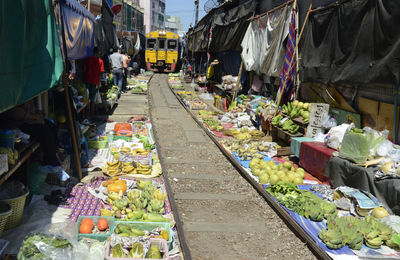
(223, 216)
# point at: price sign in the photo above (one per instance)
(318, 112)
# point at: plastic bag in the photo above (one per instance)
(58, 242)
(335, 136)
(356, 146)
(329, 122)
(385, 148)
(97, 98)
(376, 139)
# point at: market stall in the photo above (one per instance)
(236, 132)
(125, 211)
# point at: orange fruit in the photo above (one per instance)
(85, 229)
(102, 224)
(87, 221)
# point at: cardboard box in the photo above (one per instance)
(369, 112)
(386, 118)
(378, 115)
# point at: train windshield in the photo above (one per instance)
(151, 43)
(172, 44)
(161, 43)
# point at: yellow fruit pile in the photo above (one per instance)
(269, 172)
(120, 168)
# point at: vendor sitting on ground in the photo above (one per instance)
(31, 121)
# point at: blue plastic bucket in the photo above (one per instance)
(7, 138)
(36, 178)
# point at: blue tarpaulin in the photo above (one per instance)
(78, 29)
(109, 2)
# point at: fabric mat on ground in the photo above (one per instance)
(221, 134)
(83, 203)
(312, 228)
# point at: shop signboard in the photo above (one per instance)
(318, 113)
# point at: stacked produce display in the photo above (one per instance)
(124, 214)
(174, 81)
(138, 84)
(340, 229)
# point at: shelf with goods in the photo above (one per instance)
(24, 150)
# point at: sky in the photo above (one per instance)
(185, 10)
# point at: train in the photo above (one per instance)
(162, 51)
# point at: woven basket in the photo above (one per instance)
(5, 212)
(17, 205)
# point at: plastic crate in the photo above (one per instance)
(158, 241)
(7, 138)
(98, 144)
(100, 237)
(148, 226)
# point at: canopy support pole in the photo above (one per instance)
(237, 84)
(67, 99)
(396, 96)
(72, 125)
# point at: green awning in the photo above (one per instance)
(30, 55)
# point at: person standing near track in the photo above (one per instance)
(116, 64)
(125, 64)
(94, 66)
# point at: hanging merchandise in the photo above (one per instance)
(269, 32)
(288, 73)
(271, 60)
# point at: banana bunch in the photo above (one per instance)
(256, 133)
(156, 169)
(159, 195)
(113, 168)
(354, 232)
(332, 238)
(125, 150)
(12, 155)
(140, 151)
(143, 169)
(127, 167)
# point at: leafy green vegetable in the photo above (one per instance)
(29, 249)
(396, 239)
(303, 202)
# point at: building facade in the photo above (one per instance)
(154, 14)
(131, 16)
(173, 24)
